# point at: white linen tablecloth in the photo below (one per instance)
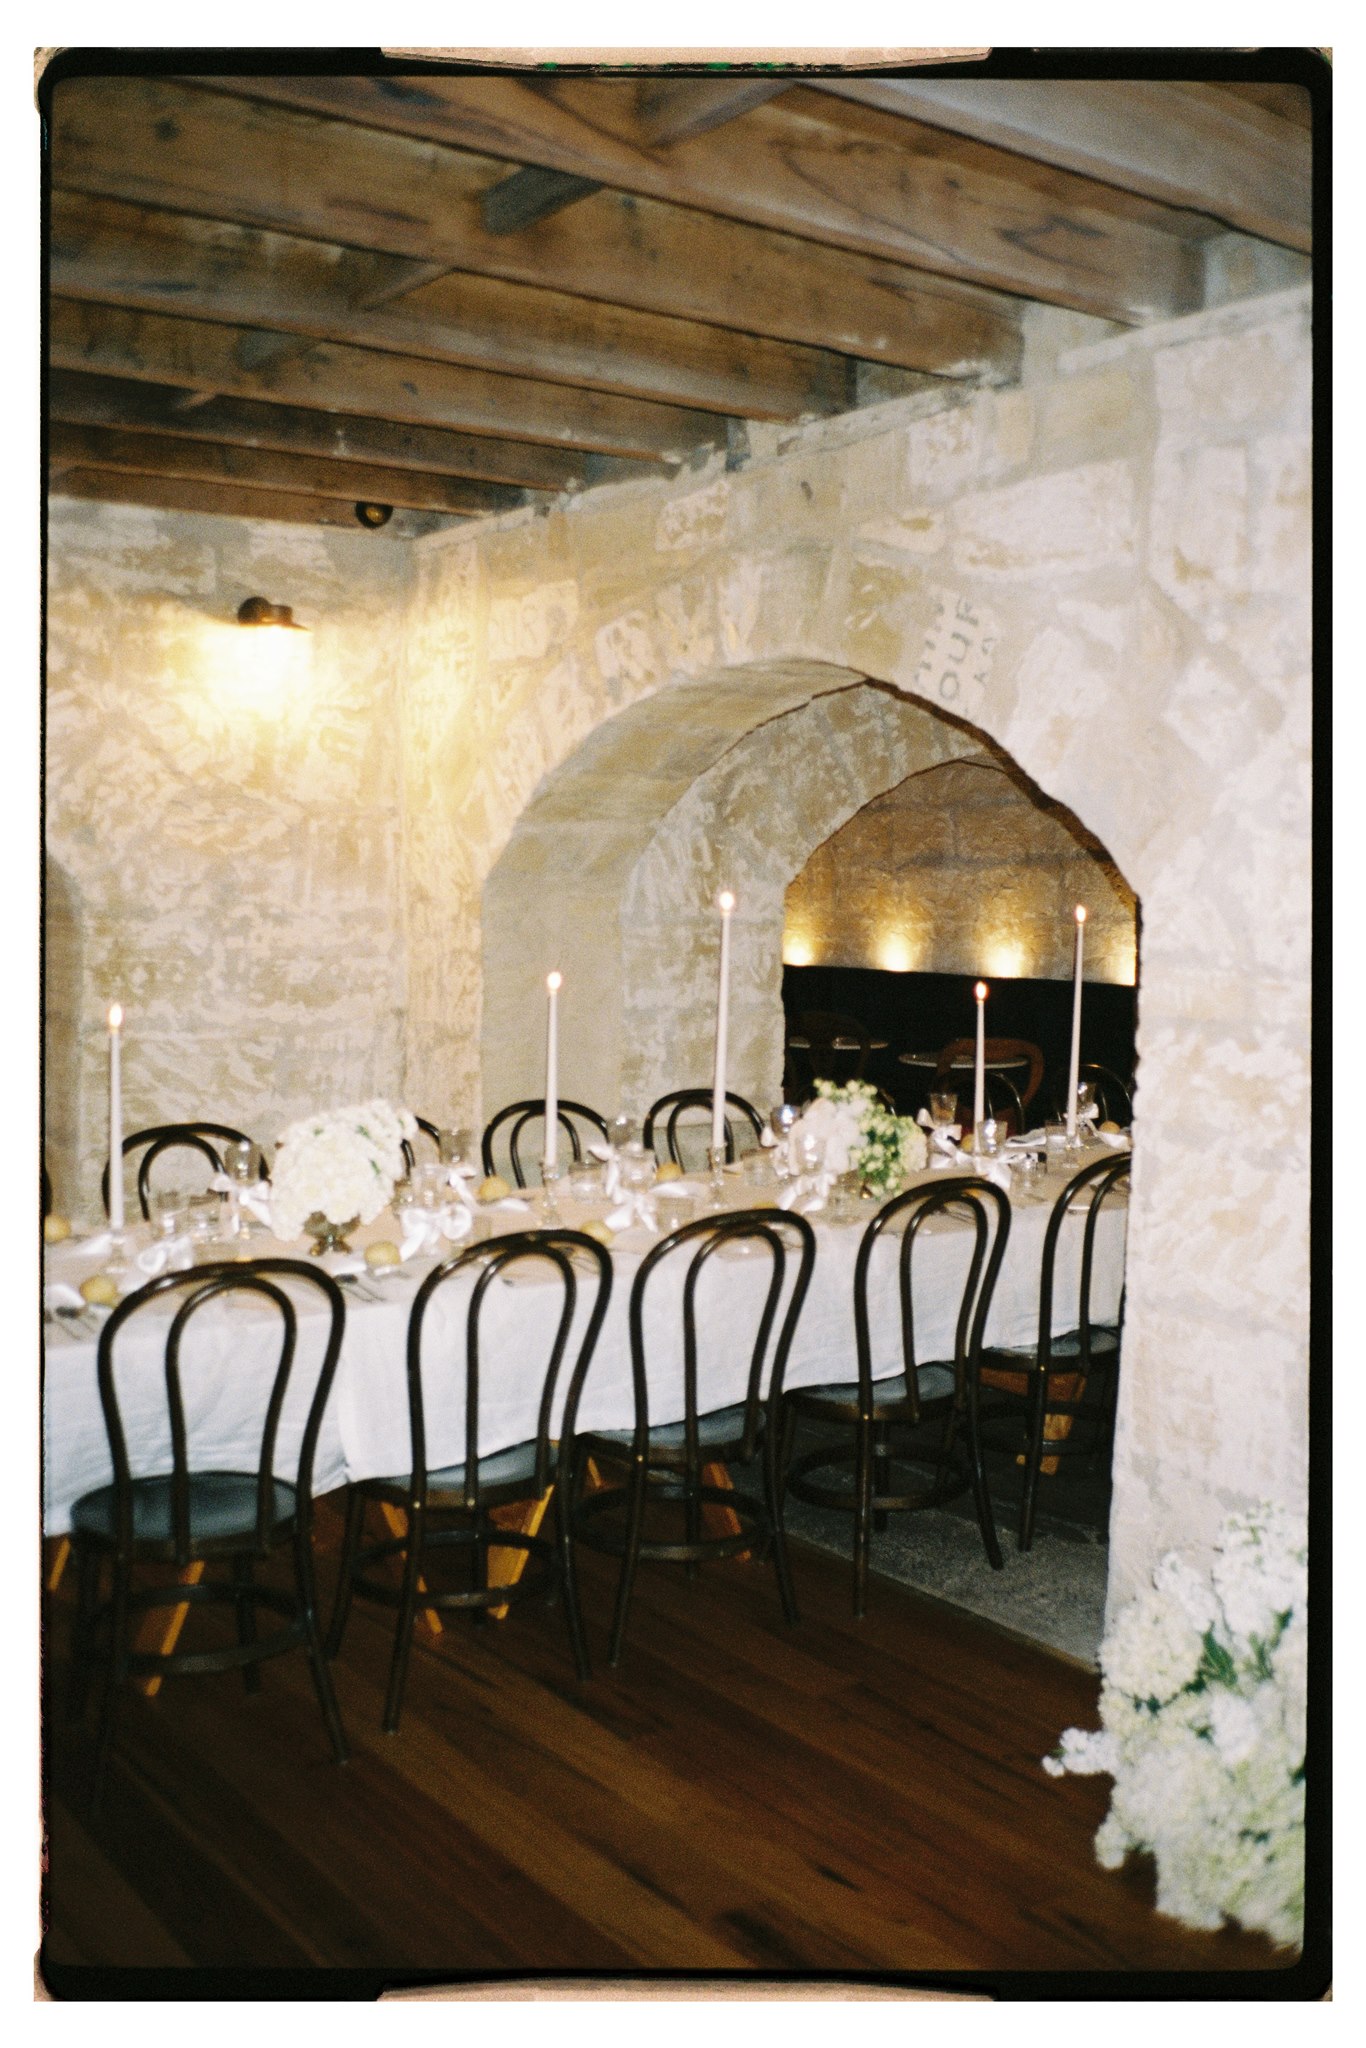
(229, 1352)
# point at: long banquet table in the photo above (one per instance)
(229, 1351)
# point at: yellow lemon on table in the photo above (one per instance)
(1113, 1129)
(56, 1229)
(385, 1253)
(600, 1234)
(670, 1170)
(494, 1189)
(100, 1291)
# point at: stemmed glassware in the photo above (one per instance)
(241, 1163)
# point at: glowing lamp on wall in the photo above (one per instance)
(798, 952)
(259, 611)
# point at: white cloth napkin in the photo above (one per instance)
(944, 1139)
(1118, 1141)
(426, 1231)
(637, 1207)
(806, 1193)
(611, 1168)
(251, 1195)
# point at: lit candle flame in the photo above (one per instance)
(726, 901)
(980, 991)
(115, 1016)
(554, 981)
(1081, 913)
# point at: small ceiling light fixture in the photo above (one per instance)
(373, 515)
(259, 611)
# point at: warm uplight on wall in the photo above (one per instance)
(1004, 959)
(895, 953)
(1121, 959)
(264, 669)
(798, 952)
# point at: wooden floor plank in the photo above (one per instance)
(738, 1796)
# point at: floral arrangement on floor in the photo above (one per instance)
(861, 1136)
(1203, 1713)
(341, 1165)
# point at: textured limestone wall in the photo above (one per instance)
(961, 870)
(226, 814)
(1105, 573)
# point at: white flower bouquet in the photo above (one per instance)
(861, 1136)
(1203, 1731)
(341, 1166)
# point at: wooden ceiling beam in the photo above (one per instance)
(1182, 145)
(854, 179)
(237, 501)
(195, 151)
(155, 261)
(671, 110)
(104, 448)
(204, 356)
(110, 402)
(529, 195)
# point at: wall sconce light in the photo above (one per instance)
(259, 611)
(374, 516)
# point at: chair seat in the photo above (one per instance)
(1104, 1340)
(934, 1381)
(221, 1504)
(723, 1425)
(500, 1468)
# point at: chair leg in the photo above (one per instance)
(882, 1481)
(246, 1620)
(773, 1488)
(115, 1671)
(403, 1638)
(317, 1662)
(1033, 1462)
(630, 1556)
(986, 1521)
(692, 1517)
(863, 1515)
(351, 1535)
(83, 1628)
(569, 1576)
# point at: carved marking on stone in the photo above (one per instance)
(695, 521)
(958, 651)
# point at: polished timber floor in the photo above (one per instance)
(841, 1798)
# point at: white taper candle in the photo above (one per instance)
(553, 985)
(725, 903)
(1074, 1063)
(115, 1022)
(979, 1066)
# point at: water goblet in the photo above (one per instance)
(782, 1118)
(455, 1146)
(623, 1130)
(943, 1107)
(170, 1212)
(1055, 1140)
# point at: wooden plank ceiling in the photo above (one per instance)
(452, 294)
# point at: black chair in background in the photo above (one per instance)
(513, 1125)
(667, 1462)
(206, 1140)
(1027, 1389)
(428, 1130)
(481, 1481)
(687, 1135)
(1015, 1059)
(836, 1048)
(198, 1513)
(866, 1416)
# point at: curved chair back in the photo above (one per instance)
(568, 1252)
(260, 1280)
(672, 1110)
(837, 1046)
(428, 1130)
(206, 1139)
(513, 1127)
(989, 1213)
(1113, 1096)
(1099, 1182)
(697, 1244)
(1020, 1051)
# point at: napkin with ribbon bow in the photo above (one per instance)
(251, 1195)
(636, 1206)
(1118, 1141)
(611, 1169)
(944, 1139)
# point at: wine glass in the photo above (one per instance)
(781, 1119)
(623, 1130)
(637, 1169)
(810, 1152)
(454, 1147)
(240, 1160)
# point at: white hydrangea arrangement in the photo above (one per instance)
(1203, 1731)
(861, 1136)
(341, 1165)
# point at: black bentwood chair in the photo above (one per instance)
(428, 1130)
(667, 1461)
(672, 1111)
(1041, 1393)
(512, 1127)
(199, 1513)
(868, 1413)
(207, 1140)
(481, 1481)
